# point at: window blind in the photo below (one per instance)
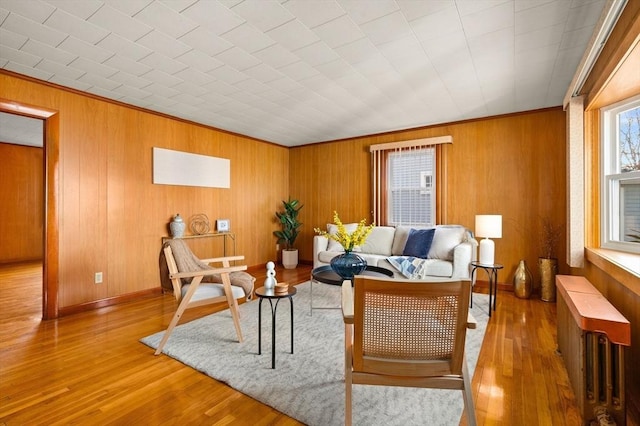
(405, 178)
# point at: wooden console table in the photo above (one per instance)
(225, 244)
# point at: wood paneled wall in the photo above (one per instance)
(22, 201)
(614, 77)
(512, 165)
(112, 217)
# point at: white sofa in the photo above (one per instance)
(449, 255)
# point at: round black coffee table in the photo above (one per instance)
(324, 274)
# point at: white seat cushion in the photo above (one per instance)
(207, 291)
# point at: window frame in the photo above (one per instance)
(424, 186)
(611, 177)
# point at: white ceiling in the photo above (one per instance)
(295, 72)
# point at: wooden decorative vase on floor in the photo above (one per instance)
(522, 281)
(548, 270)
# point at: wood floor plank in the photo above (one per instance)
(90, 368)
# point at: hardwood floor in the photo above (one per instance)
(89, 368)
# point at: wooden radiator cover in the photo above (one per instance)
(591, 337)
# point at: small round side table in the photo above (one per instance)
(270, 295)
(492, 272)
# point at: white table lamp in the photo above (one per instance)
(488, 226)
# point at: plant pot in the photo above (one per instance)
(290, 258)
(548, 271)
(347, 265)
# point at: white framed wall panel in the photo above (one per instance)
(184, 168)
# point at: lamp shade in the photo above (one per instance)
(489, 225)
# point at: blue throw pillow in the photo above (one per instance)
(419, 242)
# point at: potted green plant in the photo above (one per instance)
(290, 224)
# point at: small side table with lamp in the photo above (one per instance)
(488, 226)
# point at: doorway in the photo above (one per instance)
(50, 231)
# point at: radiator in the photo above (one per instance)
(592, 335)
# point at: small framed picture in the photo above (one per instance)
(222, 225)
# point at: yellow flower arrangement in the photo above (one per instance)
(346, 239)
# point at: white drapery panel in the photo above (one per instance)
(404, 181)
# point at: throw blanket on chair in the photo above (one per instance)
(186, 261)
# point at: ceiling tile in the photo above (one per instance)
(542, 16)
(82, 9)
(19, 56)
(128, 7)
(576, 38)
(315, 13)
(115, 43)
(161, 89)
(583, 14)
(248, 38)
(387, 28)
(237, 58)
(437, 25)
(117, 22)
(11, 39)
(162, 78)
(543, 37)
(205, 41)
(34, 10)
(298, 71)
(27, 70)
(357, 51)
(473, 7)
(79, 47)
(488, 20)
(129, 79)
(262, 73)
(293, 35)
(161, 43)
(161, 62)
(339, 31)
(32, 29)
(276, 56)
(199, 60)
(195, 77)
(123, 63)
(65, 22)
(214, 16)
(417, 9)
(131, 92)
(67, 82)
(166, 20)
(42, 50)
(227, 74)
(317, 53)
(60, 69)
(92, 67)
(264, 15)
(362, 12)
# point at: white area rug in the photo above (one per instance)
(308, 385)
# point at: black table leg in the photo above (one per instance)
(273, 332)
(291, 302)
(260, 327)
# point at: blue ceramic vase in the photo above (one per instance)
(348, 264)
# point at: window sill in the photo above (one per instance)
(624, 267)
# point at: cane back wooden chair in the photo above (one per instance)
(432, 319)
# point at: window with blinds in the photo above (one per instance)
(408, 181)
(411, 188)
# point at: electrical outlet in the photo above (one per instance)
(277, 247)
(98, 278)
